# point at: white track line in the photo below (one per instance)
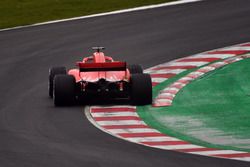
(204, 55)
(133, 130)
(166, 71)
(113, 114)
(242, 158)
(126, 122)
(158, 80)
(236, 48)
(116, 106)
(106, 13)
(216, 152)
(181, 146)
(151, 139)
(198, 63)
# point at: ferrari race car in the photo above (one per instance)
(99, 77)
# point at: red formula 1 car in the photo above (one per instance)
(100, 77)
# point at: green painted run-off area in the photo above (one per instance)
(213, 111)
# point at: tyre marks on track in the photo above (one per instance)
(123, 121)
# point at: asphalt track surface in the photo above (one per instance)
(35, 133)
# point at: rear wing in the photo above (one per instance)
(107, 66)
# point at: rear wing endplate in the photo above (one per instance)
(107, 66)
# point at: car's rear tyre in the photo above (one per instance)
(135, 69)
(52, 73)
(141, 89)
(64, 90)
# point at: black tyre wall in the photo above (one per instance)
(141, 89)
(64, 90)
(52, 73)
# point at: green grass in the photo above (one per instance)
(213, 111)
(23, 12)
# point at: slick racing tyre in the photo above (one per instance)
(141, 89)
(52, 73)
(64, 90)
(135, 69)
